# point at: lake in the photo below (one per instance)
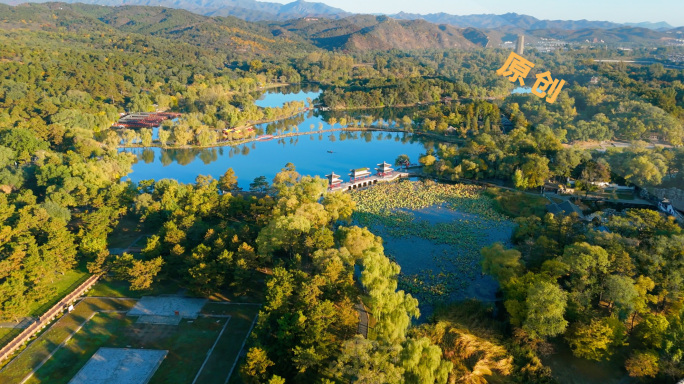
(310, 153)
(276, 97)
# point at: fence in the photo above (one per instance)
(45, 319)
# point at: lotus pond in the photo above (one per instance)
(435, 233)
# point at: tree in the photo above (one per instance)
(620, 290)
(519, 179)
(535, 170)
(181, 135)
(643, 171)
(146, 137)
(142, 273)
(586, 262)
(255, 368)
(594, 172)
(228, 181)
(139, 273)
(260, 184)
(566, 160)
(365, 361)
(590, 341)
(501, 263)
(406, 122)
(164, 136)
(339, 206)
(427, 160)
(13, 294)
(546, 304)
(651, 330)
(23, 142)
(422, 362)
(402, 160)
(643, 364)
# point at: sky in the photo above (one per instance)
(620, 11)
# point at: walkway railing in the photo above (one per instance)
(45, 319)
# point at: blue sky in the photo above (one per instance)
(671, 11)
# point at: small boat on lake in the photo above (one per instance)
(264, 138)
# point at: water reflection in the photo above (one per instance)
(276, 97)
(320, 154)
(327, 148)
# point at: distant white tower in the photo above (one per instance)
(520, 45)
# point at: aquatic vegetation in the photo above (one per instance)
(456, 220)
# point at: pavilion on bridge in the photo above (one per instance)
(334, 180)
(360, 173)
(384, 169)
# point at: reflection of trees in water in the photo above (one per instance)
(147, 156)
(208, 155)
(284, 125)
(286, 90)
(187, 156)
(166, 158)
(386, 114)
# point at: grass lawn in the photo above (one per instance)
(46, 342)
(516, 203)
(187, 344)
(228, 348)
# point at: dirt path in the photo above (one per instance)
(363, 319)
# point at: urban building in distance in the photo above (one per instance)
(520, 45)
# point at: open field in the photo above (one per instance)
(41, 347)
(102, 322)
(227, 350)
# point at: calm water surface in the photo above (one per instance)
(312, 154)
(309, 153)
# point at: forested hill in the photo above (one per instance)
(357, 33)
(353, 33)
(253, 10)
(219, 33)
(250, 10)
(360, 33)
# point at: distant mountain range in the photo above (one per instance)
(521, 21)
(252, 10)
(322, 28)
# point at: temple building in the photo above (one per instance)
(359, 173)
(334, 180)
(384, 169)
